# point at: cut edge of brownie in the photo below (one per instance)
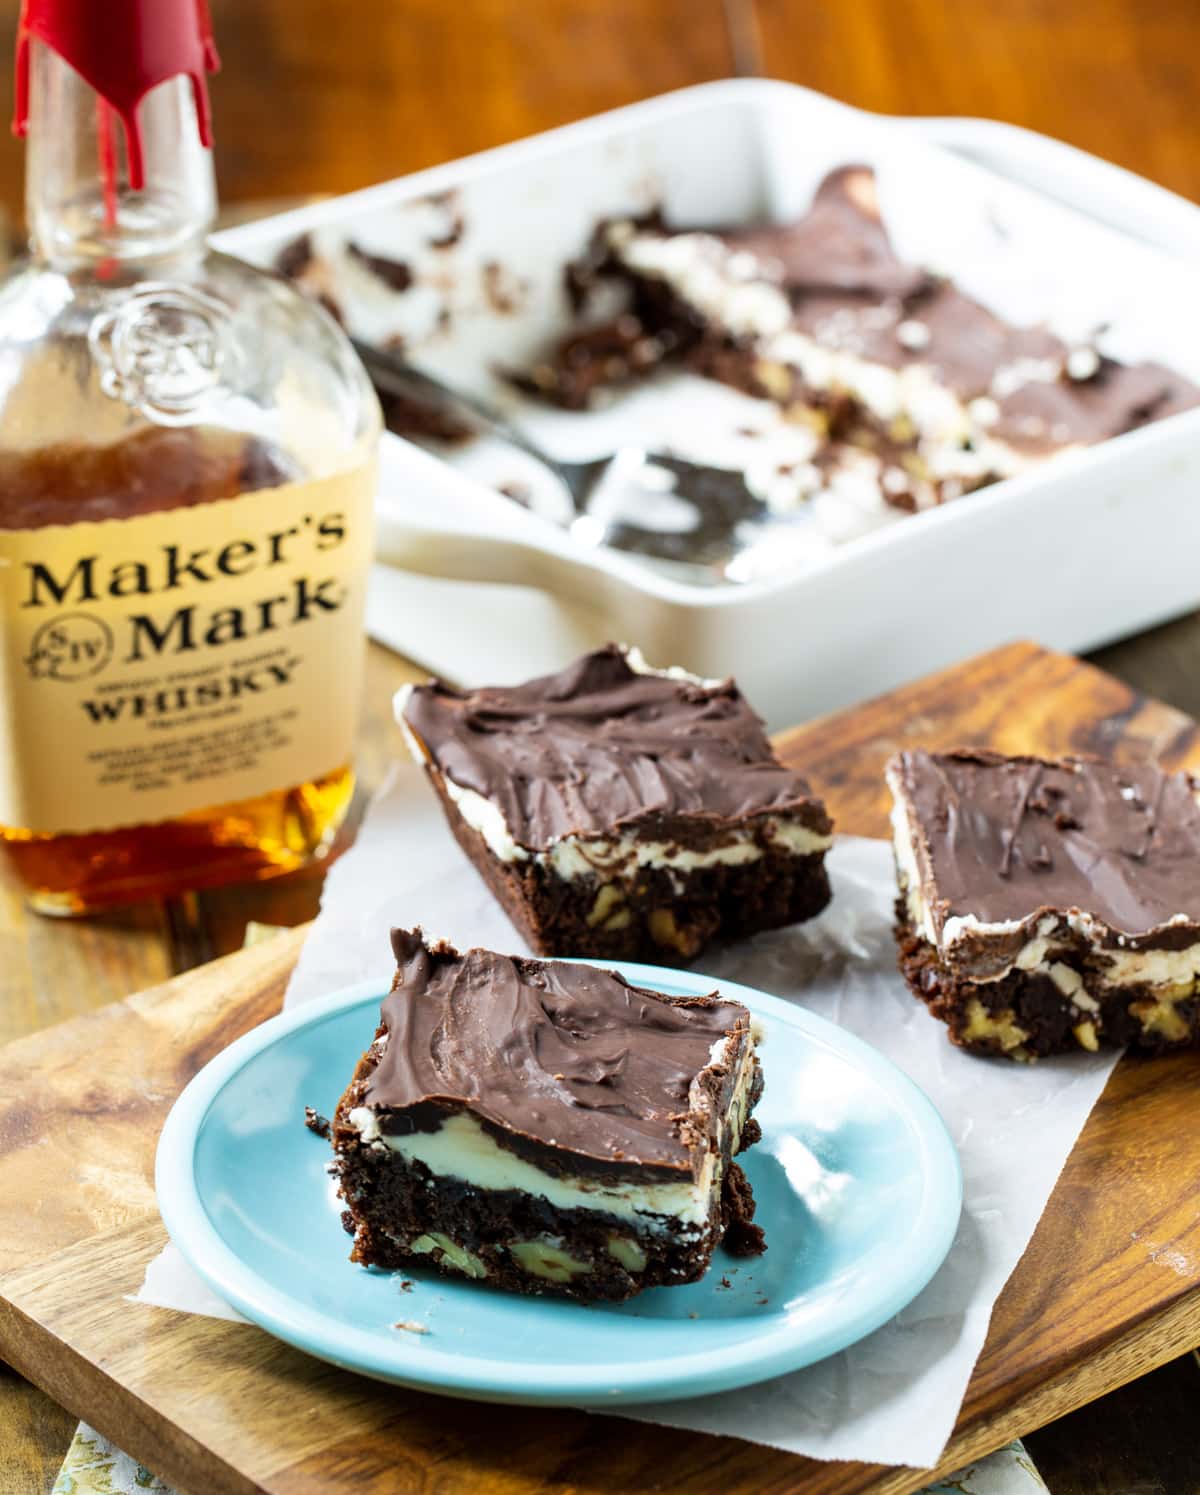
(653, 914)
(990, 998)
(402, 1214)
(1026, 1014)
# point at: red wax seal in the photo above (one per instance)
(123, 49)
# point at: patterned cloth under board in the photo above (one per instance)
(94, 1467)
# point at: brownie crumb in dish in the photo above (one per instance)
(622, 812)
(908, 389)
(545, 1127)
(1048, 906)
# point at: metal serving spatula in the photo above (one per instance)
(681, 514)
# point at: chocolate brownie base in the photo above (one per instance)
(545, 1127)
(402, 1217)
(1024, 1015)
(653, 914)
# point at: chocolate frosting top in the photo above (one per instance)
(598, 747)
(568, 1055)
(840, 244)
(851, 292)
(1044, 414)
(1010, 838)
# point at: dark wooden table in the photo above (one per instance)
(318, 96)
(406, 83)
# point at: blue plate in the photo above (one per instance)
(858, 1190)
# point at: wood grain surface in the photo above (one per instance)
(1116, 77)
(218, 1407)
(315, 99)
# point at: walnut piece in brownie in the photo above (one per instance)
(1048, 906)
(547, 1128)
(622, 812)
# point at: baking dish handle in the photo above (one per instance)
(1111, 195)
(489, 555)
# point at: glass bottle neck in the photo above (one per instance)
(80, 206)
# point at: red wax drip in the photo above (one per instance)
(123, 49)
(108, 162)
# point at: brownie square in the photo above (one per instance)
(621, 812)
(1048, 906)
(547, 1128)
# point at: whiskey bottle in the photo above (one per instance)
(187, 452)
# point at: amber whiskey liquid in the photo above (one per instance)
(258, 838)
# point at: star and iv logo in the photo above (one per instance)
(72, 646)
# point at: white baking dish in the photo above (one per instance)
(1090, 547)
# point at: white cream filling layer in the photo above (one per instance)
(582, 856)
(462, 1150)
(1123, 967)
(1155, 967)
(720, 284)
(575, 856)
(638, 663)
(907, 872)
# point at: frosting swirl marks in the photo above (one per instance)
(568, 1055)
(601, 746)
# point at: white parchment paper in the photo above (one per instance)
(893, 1398)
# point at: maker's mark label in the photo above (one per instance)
(176, 661)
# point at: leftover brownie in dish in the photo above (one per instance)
(544, 1126)
(908, 389)
(622, 812)
(1048, 906)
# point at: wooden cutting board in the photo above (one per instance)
(1106, 1291)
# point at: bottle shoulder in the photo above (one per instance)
(206, 341)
